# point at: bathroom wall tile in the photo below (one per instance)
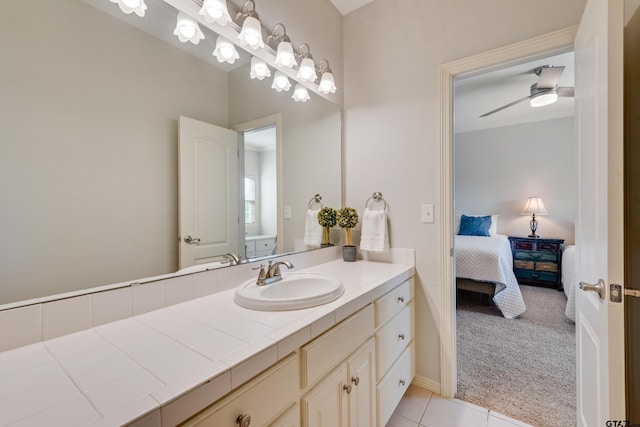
(205, 283)
(20, 326)
(110, 306)
(178, 289)
(66, 316)
(147, 297)
(229, 278)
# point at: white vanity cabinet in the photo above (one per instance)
(395, 350)
(259, 402)
(354, 374)
(259, 246)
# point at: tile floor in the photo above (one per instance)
(422, 408)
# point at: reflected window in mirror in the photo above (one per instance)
(249, 200)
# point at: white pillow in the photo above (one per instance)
(493, 229)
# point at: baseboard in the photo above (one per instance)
(428, 384)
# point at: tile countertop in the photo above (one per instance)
(160, 367)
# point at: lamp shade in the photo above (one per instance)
(251, 33)
(307, 70)
(534, 205)
(225, 51)
(132, 6)
(327, 84)
(187, 29)
(300, 94)
(284, 55)
(280, 82)
(259, 70)
(215, 11)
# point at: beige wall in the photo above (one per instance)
(392, 53)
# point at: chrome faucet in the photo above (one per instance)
(233, 258)
(272, 273)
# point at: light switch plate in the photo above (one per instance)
(427, 213)
(287, 212)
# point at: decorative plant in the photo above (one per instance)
(347, 219)
(327, 218)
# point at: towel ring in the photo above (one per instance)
(315, 199)
(377, 197)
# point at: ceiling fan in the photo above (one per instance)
(545, 91)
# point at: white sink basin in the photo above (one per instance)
(293, 292)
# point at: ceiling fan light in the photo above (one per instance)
(544, 99)
(280, 82)
(131, 6)
(187, 29)
(307, 71)
(300, 94)
(225, 51)
(215, 11)
(259, 69)
(251, 33)
(285, 56)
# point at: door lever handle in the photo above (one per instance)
(191, 240)
(598, 288)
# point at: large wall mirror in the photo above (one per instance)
(89, 118)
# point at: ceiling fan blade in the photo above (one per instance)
(506, 106)
(565, 91)
(549, 77)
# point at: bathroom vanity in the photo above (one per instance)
(209, 361)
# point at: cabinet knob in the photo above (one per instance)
(400, 299)
(401, 336)
(355, 380)
(243, 420)
(347, 388)
(402, 382)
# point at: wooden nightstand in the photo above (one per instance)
(537, 261)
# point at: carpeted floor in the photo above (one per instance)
(523, 368)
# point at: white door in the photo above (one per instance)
(208, 192)
(599, 223)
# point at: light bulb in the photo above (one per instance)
(259, 70)
(187, 29)
(327, 84)
(544, 99)
(280, 82)
(300, 94)
(307, 71)
(215, 11)
(225, 51)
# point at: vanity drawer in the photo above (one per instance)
(394, 384)
(390, 304)
(392, 339)
(256, 399)
(325, 352)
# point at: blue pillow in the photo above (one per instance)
(474, 225)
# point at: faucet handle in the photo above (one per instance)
(262, 275)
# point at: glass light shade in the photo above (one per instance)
(131, 6)
(215, 11)
(300, 94)
(251, 33)
(544, 99)
(225, 51)
(259, 70)
(280, 82)
(188, 30)
(534, 205)
(327, 84)
(307, 71)
(285, 56)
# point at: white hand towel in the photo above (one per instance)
(312, 230)
(374, 236)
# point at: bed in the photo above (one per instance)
(569, 280)
(485, 264)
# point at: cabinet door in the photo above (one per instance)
(361, 366)
(326, 404)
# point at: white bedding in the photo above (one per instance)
(489, 259)
(569, 280)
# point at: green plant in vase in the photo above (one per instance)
(348, 218)
(327, 218)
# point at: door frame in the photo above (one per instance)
(271, 120)
(538, 47)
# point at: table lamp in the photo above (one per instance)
(534, 206)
